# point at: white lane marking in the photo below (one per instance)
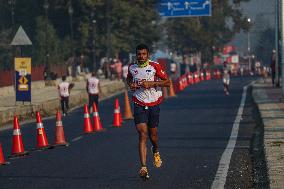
(221, 175)
(77, 138)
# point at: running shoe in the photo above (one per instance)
(144, 172)
(157, 161)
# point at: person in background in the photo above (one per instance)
(242, 71)
(93, 89)
(226, 80)
(124, 72)
(64, 92)
(173, 70)
(118, 68)
(273, 67)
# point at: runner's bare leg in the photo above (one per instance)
(143, 134)
(153, 135)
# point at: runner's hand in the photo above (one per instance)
(147, 84)
(133, 86)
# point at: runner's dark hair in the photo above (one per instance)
(141, 46)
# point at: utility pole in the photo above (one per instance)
(249, 48)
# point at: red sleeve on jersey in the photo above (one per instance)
(160, 73)
(129, 75)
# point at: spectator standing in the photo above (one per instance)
(173, 70)
(272, 66)
(118, 68)
(124, 71)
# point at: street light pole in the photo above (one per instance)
(46, 55)
(249, 56)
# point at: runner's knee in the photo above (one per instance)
(143, 136)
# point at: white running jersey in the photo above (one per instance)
(93, 85)
(151, 72)
(64, 89)
(226, 77)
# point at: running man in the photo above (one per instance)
(145, 78)
(64, 92)
(226, 81)
(93, 89)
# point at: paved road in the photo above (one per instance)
(195, 129)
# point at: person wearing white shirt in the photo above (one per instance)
(93, 89)
(64, 92)
(226, 81)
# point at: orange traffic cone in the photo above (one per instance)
(120, 115)
(165, 92)
(2, 159)
(127, 107)
(117, 116)
(59, 132)
(42, 142)
(17, 147)
(96, 118)
(87, 122)
(172, 91)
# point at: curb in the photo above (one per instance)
(273, 140)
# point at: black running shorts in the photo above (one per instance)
(147, 114)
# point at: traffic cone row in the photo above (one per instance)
(193, 78)
(59, 139)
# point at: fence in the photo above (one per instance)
(7, 77)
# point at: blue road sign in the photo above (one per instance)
(184, 8)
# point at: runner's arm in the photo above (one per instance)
(161, 74)
(132, 85)
(164, 82)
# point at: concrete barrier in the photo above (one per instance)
(78, 97)
(9, 90)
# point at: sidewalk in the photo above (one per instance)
(270, 103)
(45, 99)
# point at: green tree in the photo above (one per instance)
(128, 23)
(264, 46)
(47, 43)
(194, 34)
(5, 50)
